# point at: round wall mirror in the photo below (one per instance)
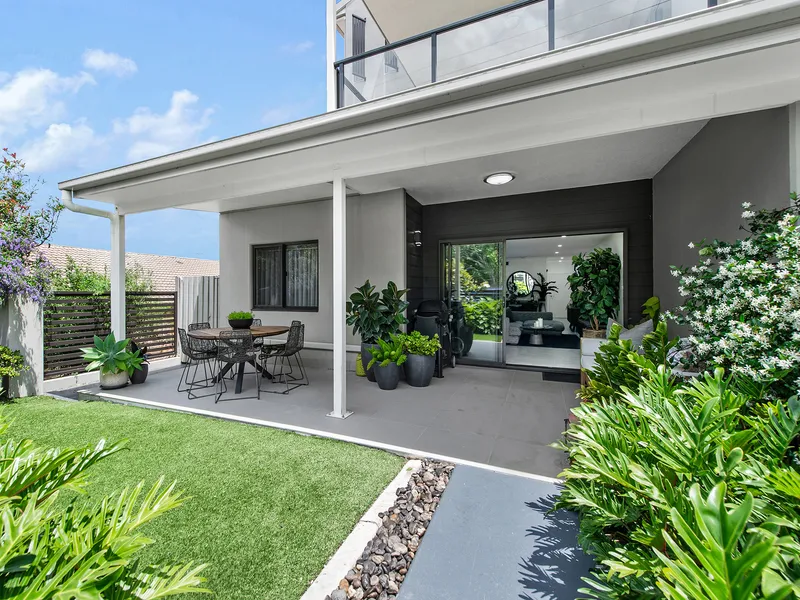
(520, 283)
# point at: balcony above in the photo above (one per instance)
(521, 30)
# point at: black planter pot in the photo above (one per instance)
(240, 323)
(387, 377)
(366, 356)
(140, 376)
(419, 370)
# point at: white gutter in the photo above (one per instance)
(117, 258)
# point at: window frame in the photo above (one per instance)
(283, 307)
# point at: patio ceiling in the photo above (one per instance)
(559, 120)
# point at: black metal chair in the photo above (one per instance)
(259, 341)
(199, 354)
(295, 342)
(234, 350)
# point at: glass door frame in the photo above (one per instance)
(446, 289)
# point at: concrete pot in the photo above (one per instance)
(366, 356)
(387, 377)
(419, 370)
(113, 381)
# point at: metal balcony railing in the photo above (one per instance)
(520, 30)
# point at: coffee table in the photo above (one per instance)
(536, 333)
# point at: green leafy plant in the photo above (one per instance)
(651, 308)
(12, 363)
(484, 316)
(110, 356)
(375, 316)
(66, 547)
(240, 315)
(388, 352)
(594, 286)
(416, 343)
(80, 278)
(543, 288)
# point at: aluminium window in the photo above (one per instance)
(286, 276)
(359, 46)
(390, 58)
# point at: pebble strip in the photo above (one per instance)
(383, 565)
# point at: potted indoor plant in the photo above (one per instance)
(112, 360)
(375, 316)
(387, 359)
(240, 320)
(543, 288)
(594, 286)
(12, 364)
(421, 358)
(140, 375)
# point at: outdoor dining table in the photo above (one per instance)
(257, 331)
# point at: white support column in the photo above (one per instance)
(330, 55)
(339, 290)
(118, 276)
(794, 147)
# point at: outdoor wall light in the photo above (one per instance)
(499, 178)
(416, 238)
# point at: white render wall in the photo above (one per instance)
(376, 250)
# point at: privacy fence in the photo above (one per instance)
(72, 319)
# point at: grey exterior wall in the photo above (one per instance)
(376, 250)
(413, 253)
(698, 194)
(624, 207)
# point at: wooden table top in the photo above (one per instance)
(256, 330)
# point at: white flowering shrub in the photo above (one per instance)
(742, 301)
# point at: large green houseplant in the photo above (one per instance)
(376, 316)
(594, 286)
(543, 288)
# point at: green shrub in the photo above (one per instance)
(12, 363)
(484, 316)
(416, 343)
(686, 490)
(63, 549)
(240, 315)
(388, 352)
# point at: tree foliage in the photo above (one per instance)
(594, 285)
(82, 278)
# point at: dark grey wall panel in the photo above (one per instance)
(413, 252)
(622, 207)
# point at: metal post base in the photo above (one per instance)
(335, 416)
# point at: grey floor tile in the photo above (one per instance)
(542, 423)
(394, 433)
(485, 420)
(467, 446)
(532, 458)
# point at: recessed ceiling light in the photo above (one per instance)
(499, 178)
(556, 251)
(563, 236)
(560, 245)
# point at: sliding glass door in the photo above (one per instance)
(473, 277)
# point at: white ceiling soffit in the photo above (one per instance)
(400, 19)
(565, 246)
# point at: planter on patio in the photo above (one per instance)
(387, 377)
(113, 381)
(140, 375)
(419, 370)
(366, 357)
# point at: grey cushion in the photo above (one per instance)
(635, 334)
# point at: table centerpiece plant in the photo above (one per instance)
(240, 319)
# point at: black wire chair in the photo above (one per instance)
(259, 341)
(199, 354)
(235, 348)
(284, 353)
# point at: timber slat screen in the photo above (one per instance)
(72, 319)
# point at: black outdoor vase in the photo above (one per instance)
(140, 375)
(419, 370)
(387, 377)
(366, 356)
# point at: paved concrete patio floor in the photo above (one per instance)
(499, 417)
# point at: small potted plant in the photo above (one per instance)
(240, 320)
(113, 360)
(387, 359)
(12, 364)
(421, 351)
(140, 375)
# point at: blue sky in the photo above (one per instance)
(86, 85)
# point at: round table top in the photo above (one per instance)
(256, 330)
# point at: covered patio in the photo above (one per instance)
(499, 417)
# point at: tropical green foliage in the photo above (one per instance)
(375, 316)
(594, 285)
(12, 363)
(240, 315)
(686, 490)
(481, 261)
(651, 308)
(388, 352)
(484, 316)
(416, 343)
(112, 356)
(52, 547)
(79, 278)
(543, 288)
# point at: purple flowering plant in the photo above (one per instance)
(24, 271)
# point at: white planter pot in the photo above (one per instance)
(112, 381)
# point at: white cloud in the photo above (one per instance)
(62, 145)
(108, 62)
(298, 47)
(33, 98)
(156, 134)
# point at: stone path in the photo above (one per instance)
(491, 538)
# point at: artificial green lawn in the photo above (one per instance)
(267, 508)
(487, 337)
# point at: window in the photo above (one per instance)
(390, 58)
(359, 46)
(286, 276)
